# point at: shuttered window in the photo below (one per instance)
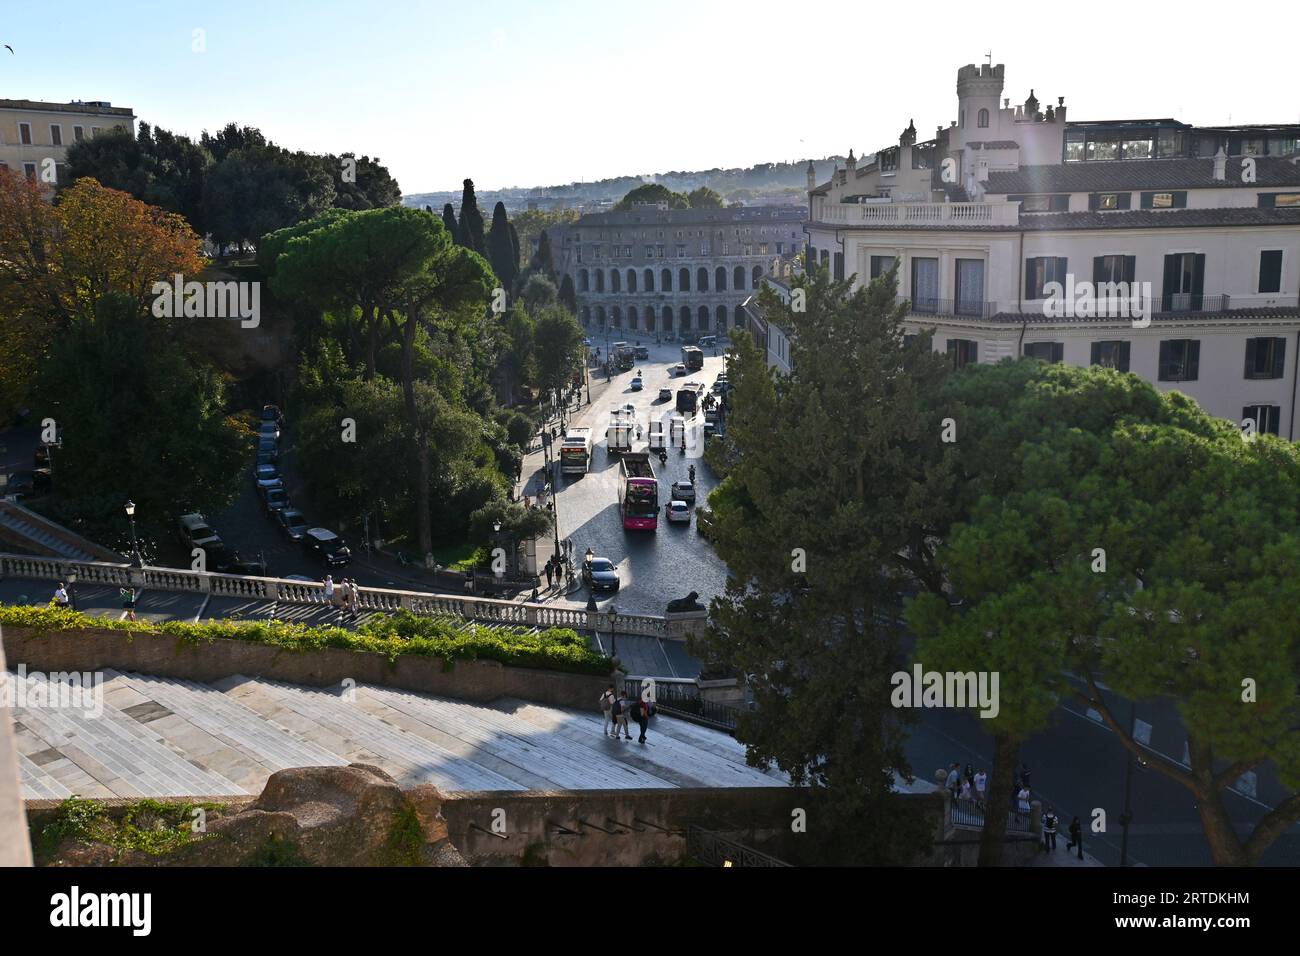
(1270, 271)
(1111, 354)
(1265, 357)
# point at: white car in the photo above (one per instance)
(679, 369)
(678, 511)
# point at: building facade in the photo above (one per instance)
(34, 136)
(658, 270)
(1160, 248)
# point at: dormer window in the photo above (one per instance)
(983, 119)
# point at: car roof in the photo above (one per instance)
(322, 534)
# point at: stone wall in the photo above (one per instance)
(165, 655)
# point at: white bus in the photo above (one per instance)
(575, 451)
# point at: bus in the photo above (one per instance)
(638, 493)
(692, 357)
(575, 451)
(621, 431)
(689, 396)
(623, 355)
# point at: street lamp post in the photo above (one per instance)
(613, 636)
(72, 588)
(496, 537)
(136, 560)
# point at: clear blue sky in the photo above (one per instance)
(516, 93)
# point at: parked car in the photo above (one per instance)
(684, 491)
(600, 574)
(234, 564)
(266, 457)
(665, 394)
(268, 430)
(268, 450)
(636, 383)
(272, 413)
(266, 475)
(641, 351)
(195, 533)
(678, 369)
(678, 511)
(326, 547)
(292, 522)
(275, 499)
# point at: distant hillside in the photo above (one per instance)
(763, 183)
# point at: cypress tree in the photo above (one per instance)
(568, 295)
(514, 243)
(449, 220)
(471, 221)
(500, 251)
(544, 261)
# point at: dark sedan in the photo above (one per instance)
(600, 574)
(292, 522)
(327, 547)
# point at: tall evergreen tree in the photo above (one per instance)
(568, 295)
(471, 221)
(543, 260)
(449, 220)
(501, 252)
(514, 244)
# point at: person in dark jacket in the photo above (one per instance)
(641, 713)
(1049, 831)
(1076, 837)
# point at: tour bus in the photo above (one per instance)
(708, 341)
(621, 431)
(688, 397)
(638, 493)
(575, 451)
(692, 357)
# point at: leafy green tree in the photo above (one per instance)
(260, 189)
(557, 348)
(517, 522)
(139, 420)
(819, 551)
(539, 293)
(371, 185)
(1126, 536)
(704, 198)
(516, 366)
(501, 252)
(231, 138)
(470, 228)
(653, 193)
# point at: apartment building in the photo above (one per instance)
(35, 136)
(1154, 246)
(655, 269)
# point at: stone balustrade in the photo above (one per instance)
(386, 600)
(922, 215)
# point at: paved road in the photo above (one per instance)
(654, 567)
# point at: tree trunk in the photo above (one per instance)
(1226, 847)
(1001, 788)
(424, 525)
(372, 340)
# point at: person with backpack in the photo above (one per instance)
(61, 596)
(128, 601)
(642, 713)
(1049, 831)
(607, 707)
(619, 710)
(1076, 837)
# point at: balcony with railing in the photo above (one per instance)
(922, 215)
(962, 308)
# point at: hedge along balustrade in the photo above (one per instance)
(451, 658)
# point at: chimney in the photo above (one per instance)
(1220, 166)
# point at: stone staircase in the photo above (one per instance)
(23, 528)
(162, 737)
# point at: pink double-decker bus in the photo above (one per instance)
(638, 492)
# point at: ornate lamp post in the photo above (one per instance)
(613, 636)
(72, 588)
(136, 560)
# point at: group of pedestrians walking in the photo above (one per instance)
(967, 784)
(617, 708)
(972, 785)
(344, 597)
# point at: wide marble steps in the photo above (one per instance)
(162, 737)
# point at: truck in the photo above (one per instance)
(689, 397)
(575, 451)
(692, 357)
(638, 493)
(622, 355)
(621, 432)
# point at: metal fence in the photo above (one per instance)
(969, 813)
(681, 698)
(710, 849)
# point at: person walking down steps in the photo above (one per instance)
(607, 707)
(1049, 831)
(1076, 837)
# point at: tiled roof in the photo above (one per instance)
(1141, 174)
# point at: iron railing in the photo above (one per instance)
(681, 698)
(969, 813)
(709, 849)
(966, 308)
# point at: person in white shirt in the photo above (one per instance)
(981, 784)
(61, 596)
(607, 707)
(1022, 800)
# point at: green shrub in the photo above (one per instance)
(400, 634)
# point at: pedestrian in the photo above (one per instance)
(1049, 831)
(981, 785)
(128, 601)
(61, 596)
(969, 774)
(353, 597)
(329, 589)
(1022, 800)
(965, 789)
(1024, 775)
(550, 571)
(1076, 837)
(621, 705)
(954, 779)
(607, 707)
(642, 713)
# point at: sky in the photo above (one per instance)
(513, 93)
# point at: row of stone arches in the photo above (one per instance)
(594, 280)
(664, 319)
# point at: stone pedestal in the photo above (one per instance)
(681, 624)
